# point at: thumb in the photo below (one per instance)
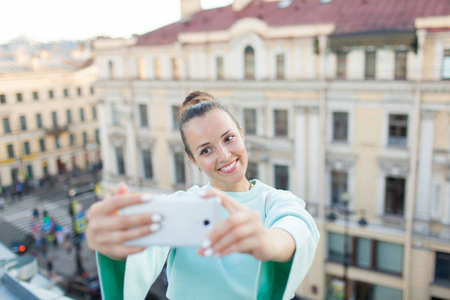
(122, 189)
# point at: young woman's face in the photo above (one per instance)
(218, 149)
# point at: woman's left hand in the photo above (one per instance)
(243, 231)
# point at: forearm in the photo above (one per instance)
(282, 245)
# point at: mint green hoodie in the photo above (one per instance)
(236, 276)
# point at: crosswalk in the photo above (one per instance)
(19, 214)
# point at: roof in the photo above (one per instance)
(349, 16)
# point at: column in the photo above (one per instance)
(108, 161)
(425, 165)
(421, 34)
(313, 169)
(322, 56)
(300, 151)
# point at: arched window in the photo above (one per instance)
(249, 63)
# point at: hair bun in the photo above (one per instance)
(194, 98)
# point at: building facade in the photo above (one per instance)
(345, 103)
(48, 112)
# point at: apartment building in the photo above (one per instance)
(48, 113)
(345, 103)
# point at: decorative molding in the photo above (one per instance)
(428, 114)
(394, 167)
(117, 139)
(340, 161)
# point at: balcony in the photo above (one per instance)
(55, 130)
(431, 229)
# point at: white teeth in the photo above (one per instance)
(229, 167)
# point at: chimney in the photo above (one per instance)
(189, 7)
(238, 5)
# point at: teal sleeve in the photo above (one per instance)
(280, 280)
(111, 274)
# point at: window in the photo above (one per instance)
(120, 161)
(141, 68)
(82, 114)
(252, 171)
(445, 65)
(23, 123)
(383, 292)
(280, 66)
(400, 65)
(389, 257)
(341, 65)
(94, 113)
(250, 121)
(219, 68)
(42, 145)
(66, 93)
(442, 268)
(55, 119)
(45, 168)
(97, 136)
(38, 120)
(282, 177)
(10, 150)
(394, 196)
(339, 186)
(340, 126)
(26, 148)
(6, 127)
(370, 65)
(249, 63)
(57, 142)
(147, 161)
(364, 253)
(175, 69)
(92, 90)
(175, 117)
(35, 95)
(51, 94)
(111, 70)
(72, 139)
(19, 97)
(2, 98)
(281, 122)
(180, 176)
(69, 116)
(79, 91)
(30, 174)
(85, 138)
(143, 116)
(398, 130)
(158, 71)
(336, 247)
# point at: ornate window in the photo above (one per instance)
(249, 63)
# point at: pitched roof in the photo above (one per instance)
(349, 16)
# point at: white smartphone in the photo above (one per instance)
(186, 222)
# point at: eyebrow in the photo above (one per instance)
(207, 143)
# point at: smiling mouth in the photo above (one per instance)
(229, 167)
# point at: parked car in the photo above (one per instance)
(86, 286)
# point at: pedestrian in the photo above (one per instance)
(50, 270)
(35, 213)
(261, 250)
(68, 243)
(44, 246)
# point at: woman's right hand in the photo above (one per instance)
(107, 231)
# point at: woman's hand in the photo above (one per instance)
(107, 231)
(243, 231)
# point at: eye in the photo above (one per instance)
(205, 151)
(229, 138)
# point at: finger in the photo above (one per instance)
(233, 237)
(226, 225)
(122, 236)
(241, 246)
(229, 203)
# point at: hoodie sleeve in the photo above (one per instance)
(286, 211)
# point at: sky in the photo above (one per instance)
(55, 20)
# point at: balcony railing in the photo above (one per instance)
(431, 229)
(55, 130)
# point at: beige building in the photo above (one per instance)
(345, 103)
(48, 117)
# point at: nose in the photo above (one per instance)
(223, 155)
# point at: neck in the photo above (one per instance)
(242, 186)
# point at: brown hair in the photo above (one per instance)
(197, 104)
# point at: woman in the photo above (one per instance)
(262, 249)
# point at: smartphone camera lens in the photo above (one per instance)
(206, 222)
